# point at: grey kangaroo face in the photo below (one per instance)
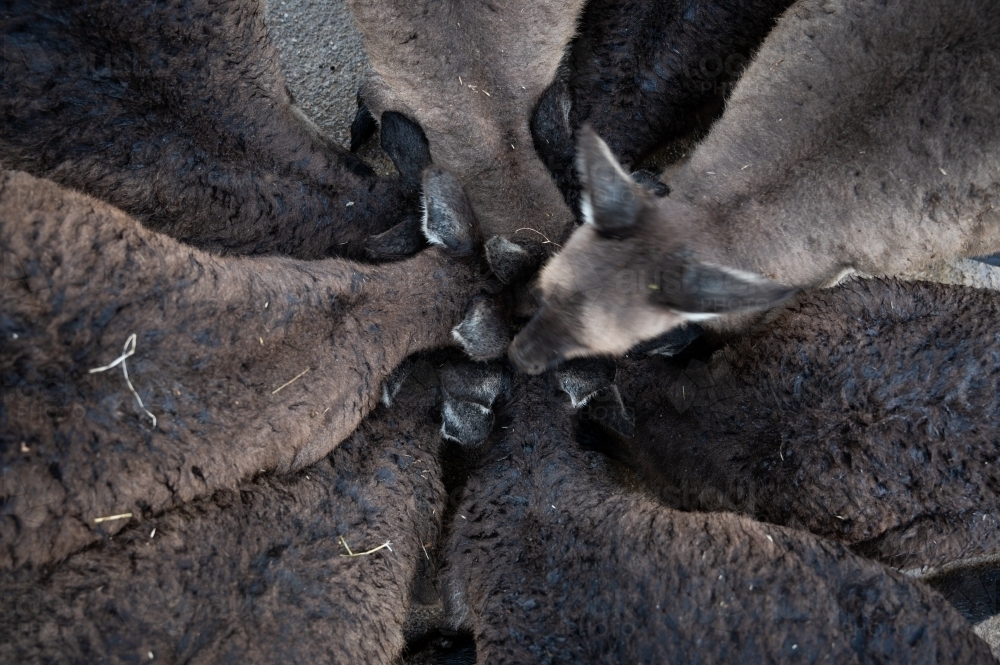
(629, 274)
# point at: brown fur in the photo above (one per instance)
(257, 573)
(863, 136)
(177, 113)
(216, 339)
(505, 52)
(550, 561)
(868, 414)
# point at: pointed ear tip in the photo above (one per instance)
(587, 137)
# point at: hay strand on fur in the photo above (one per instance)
(387, 545)
(291, 381)
(127, 351)
(112, 518)
(547, 241)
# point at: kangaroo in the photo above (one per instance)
(861, 137)
(549, 558)
(178, 114)
(470, 76)
(642, 73)
(317, 566)
(866, 414)
(140, 373)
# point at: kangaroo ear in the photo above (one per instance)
(406, 144)
(448, 217)
(611, 201)
(703, 291)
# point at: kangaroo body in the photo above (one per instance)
(862, 137)
(247, 364)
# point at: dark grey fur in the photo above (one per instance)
(641, 73)
(256, 573)
(177, 113)
(549, 560)
(868, 414)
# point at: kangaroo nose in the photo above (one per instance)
(535, 348)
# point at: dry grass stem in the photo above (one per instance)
(547, 241)
(112, 518)
(127, 350)
(291, 381)
(387, 545)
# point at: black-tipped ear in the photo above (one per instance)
(583, 378)
(991, 260)
(405, 143)
(363, 126)
(701, 289)
(552, 135)
(467, 412)
(670, 343)
(511, 261)
(402, 240)
(650, 181)
(483, 333)
(448, 217)
(611, 200)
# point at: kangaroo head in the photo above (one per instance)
(630, 273)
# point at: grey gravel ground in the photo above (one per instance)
(967, 273)
(324, 60)
(989, 630)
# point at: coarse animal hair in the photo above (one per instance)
(178, 113)
(549, 558)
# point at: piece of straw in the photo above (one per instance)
(291, 381)
(127, 351)
(387, 545)
(547, 241)
(112, 518)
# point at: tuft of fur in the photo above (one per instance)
(513, 261)
(583, 379)
(448, 220)
(470, 392)
(483, 334)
